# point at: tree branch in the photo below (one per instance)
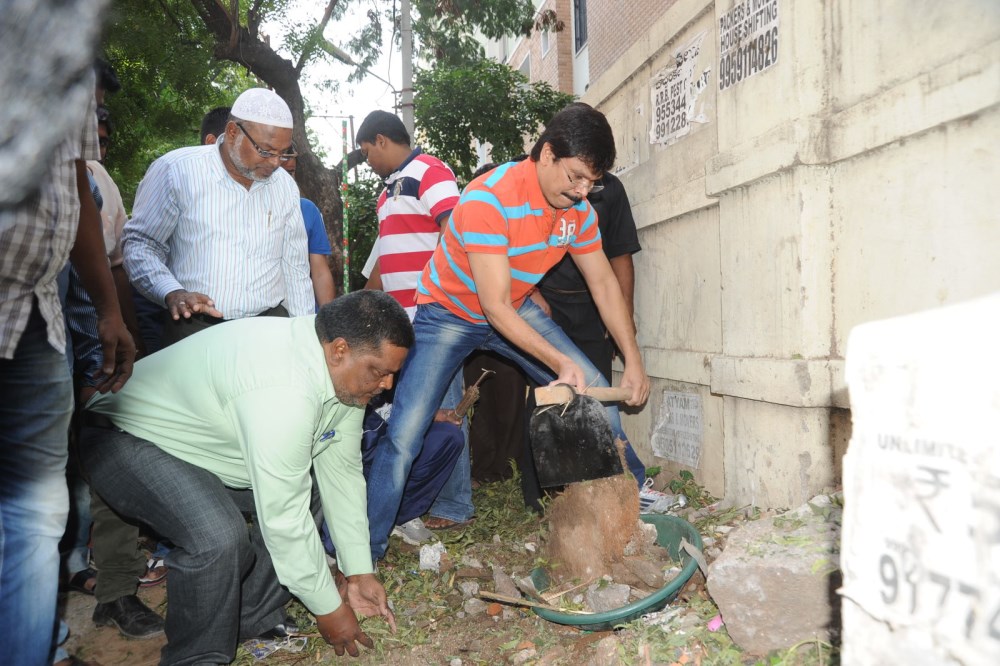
(315, 36)
(216, 18)
(253, 19)
(234, 33)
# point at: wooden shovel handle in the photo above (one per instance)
(561, 393)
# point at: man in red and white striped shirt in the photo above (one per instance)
(420, 192)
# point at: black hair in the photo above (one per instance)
(104, 118)
(106, 77)
(384, 123)
(489, 166)
(214, 122)
(365, 319)
(580, 131)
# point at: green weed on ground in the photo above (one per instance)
(427, 604)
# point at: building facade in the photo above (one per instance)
(796, 168)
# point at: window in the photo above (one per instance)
(545, 42)
(579, 23)
(525, 67)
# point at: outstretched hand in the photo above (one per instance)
(367, 596)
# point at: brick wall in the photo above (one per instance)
(613, 26)
(555, 66)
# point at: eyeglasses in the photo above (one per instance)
(579, 182)
(266, 154)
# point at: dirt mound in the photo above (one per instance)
(590, 524)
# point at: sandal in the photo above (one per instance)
(437, 523)
(78, 582)
(156, 572)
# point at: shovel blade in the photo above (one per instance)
(573, 443)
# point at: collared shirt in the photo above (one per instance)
(194, 227)
(252, 402)
(618, 238)
(37, 235)
(417, 195)
(504, 212)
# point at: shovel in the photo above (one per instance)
(570, 435)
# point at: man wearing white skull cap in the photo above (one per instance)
(216, 232)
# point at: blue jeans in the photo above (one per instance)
(442, 343)
(36, 400)
(455, 499)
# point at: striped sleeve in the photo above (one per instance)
(146, 236)
(589, 238)
(438, 190)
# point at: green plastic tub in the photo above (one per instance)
(669, 532)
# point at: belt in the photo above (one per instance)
(94, 420)
(566, 292)
(277, 311)
(207, 319)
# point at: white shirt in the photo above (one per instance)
(194, 227)
(112, 211)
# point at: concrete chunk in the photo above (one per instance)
(648, 572)
(474, 606)
(607, 597)
(504, 584)
(773, 582)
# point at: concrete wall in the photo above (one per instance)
(848, 181)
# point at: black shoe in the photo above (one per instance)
(280, 630)
(133, 618)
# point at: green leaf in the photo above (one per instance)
(484, 101)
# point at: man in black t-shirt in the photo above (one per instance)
(563, 290)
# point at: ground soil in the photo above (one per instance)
(440, 623)
(433, 627)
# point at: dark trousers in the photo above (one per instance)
(496, 433)
(443, 443)
(115, 548)
(500, 424)
(222, 585)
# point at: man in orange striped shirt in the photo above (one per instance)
(510, 226)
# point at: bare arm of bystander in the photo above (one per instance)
(90, 259)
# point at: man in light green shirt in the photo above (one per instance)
(232, 424)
